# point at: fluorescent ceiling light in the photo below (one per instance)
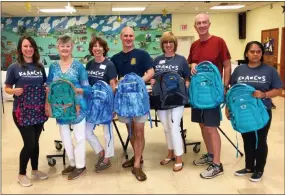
(126, 9)
(227, 7)
(68, 8)
(57, 10)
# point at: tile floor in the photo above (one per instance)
(161, 179)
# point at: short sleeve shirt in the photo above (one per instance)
(263, 78)
(136, 61)
(214, 50)
(20, 76)
(105, 71)
(176, 63)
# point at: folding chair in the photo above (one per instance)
(196, 148)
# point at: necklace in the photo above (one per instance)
(167, 60)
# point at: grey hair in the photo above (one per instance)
(205, 14)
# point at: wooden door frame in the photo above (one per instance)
(275, 41)
(282, 57)
(268, 30)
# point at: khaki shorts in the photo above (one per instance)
(138, 119)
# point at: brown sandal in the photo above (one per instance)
(178, 167)
(130, 163)
(166, 161)
(138, 172)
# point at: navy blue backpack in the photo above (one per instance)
(100, 105)
(206, 87)
(131, 98)
(169, 90)
(31, 106)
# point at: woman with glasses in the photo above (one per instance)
(170, 118)
(266, 81)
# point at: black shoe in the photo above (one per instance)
(256, 176)
(243, 172)
(76, 173)
(68, 170)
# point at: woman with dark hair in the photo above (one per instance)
(266, 81)
(26, 71)
(100, 68)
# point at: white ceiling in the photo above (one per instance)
(18, 9)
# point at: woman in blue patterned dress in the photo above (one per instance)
(69, 69)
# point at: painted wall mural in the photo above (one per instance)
(45, 30)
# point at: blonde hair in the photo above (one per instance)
(64, 39)
(168, 36)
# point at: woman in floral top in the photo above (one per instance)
(69, 69)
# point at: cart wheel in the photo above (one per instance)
(196, 148)
(51, 162)
(58, 146)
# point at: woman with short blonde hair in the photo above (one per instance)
(170, 118)
(69, 69)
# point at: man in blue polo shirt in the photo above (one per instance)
(139, 62)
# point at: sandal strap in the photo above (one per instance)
(178, 165)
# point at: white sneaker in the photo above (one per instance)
(24, 181)
(39, 174)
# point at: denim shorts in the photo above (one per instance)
(138, 119)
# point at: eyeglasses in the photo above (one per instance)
(254, 52)
(168, 42)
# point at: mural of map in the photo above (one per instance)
(45, 30)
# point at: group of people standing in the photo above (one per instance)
(208, 47)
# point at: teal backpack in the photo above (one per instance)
(62, 100)
(206, 87)
(247, 113)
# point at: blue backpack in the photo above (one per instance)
(100, 105)
(169, 90)
(206, 87)
(131, 98)
(247, 113)
(62, 100)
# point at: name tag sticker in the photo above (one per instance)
(161, 62)
(102, 66)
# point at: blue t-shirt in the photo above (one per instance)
(263, 78)
(176, 63)
(137, 61)
(20, 76)
(105, 71)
